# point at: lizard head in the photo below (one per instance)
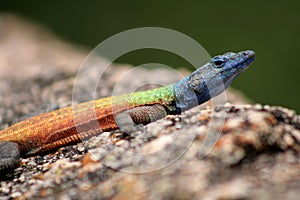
(211, 79)
(217, 75)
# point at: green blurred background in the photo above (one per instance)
(271, 28)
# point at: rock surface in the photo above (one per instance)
(256, 154)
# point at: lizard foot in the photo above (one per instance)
(9, 155)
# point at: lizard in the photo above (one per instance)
(51, 130)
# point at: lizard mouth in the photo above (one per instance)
(248, 58)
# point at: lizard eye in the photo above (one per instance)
(218, 61)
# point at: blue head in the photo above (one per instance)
(212, 78)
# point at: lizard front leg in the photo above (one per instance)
(128, 120)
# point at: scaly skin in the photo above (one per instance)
(58, 128)
(35, 134)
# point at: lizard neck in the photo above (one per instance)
(187, 97)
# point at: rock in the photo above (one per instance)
(232, 151)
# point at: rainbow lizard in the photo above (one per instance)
(58, 128)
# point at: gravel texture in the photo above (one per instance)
(256, 154)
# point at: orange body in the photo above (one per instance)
(73, 124)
